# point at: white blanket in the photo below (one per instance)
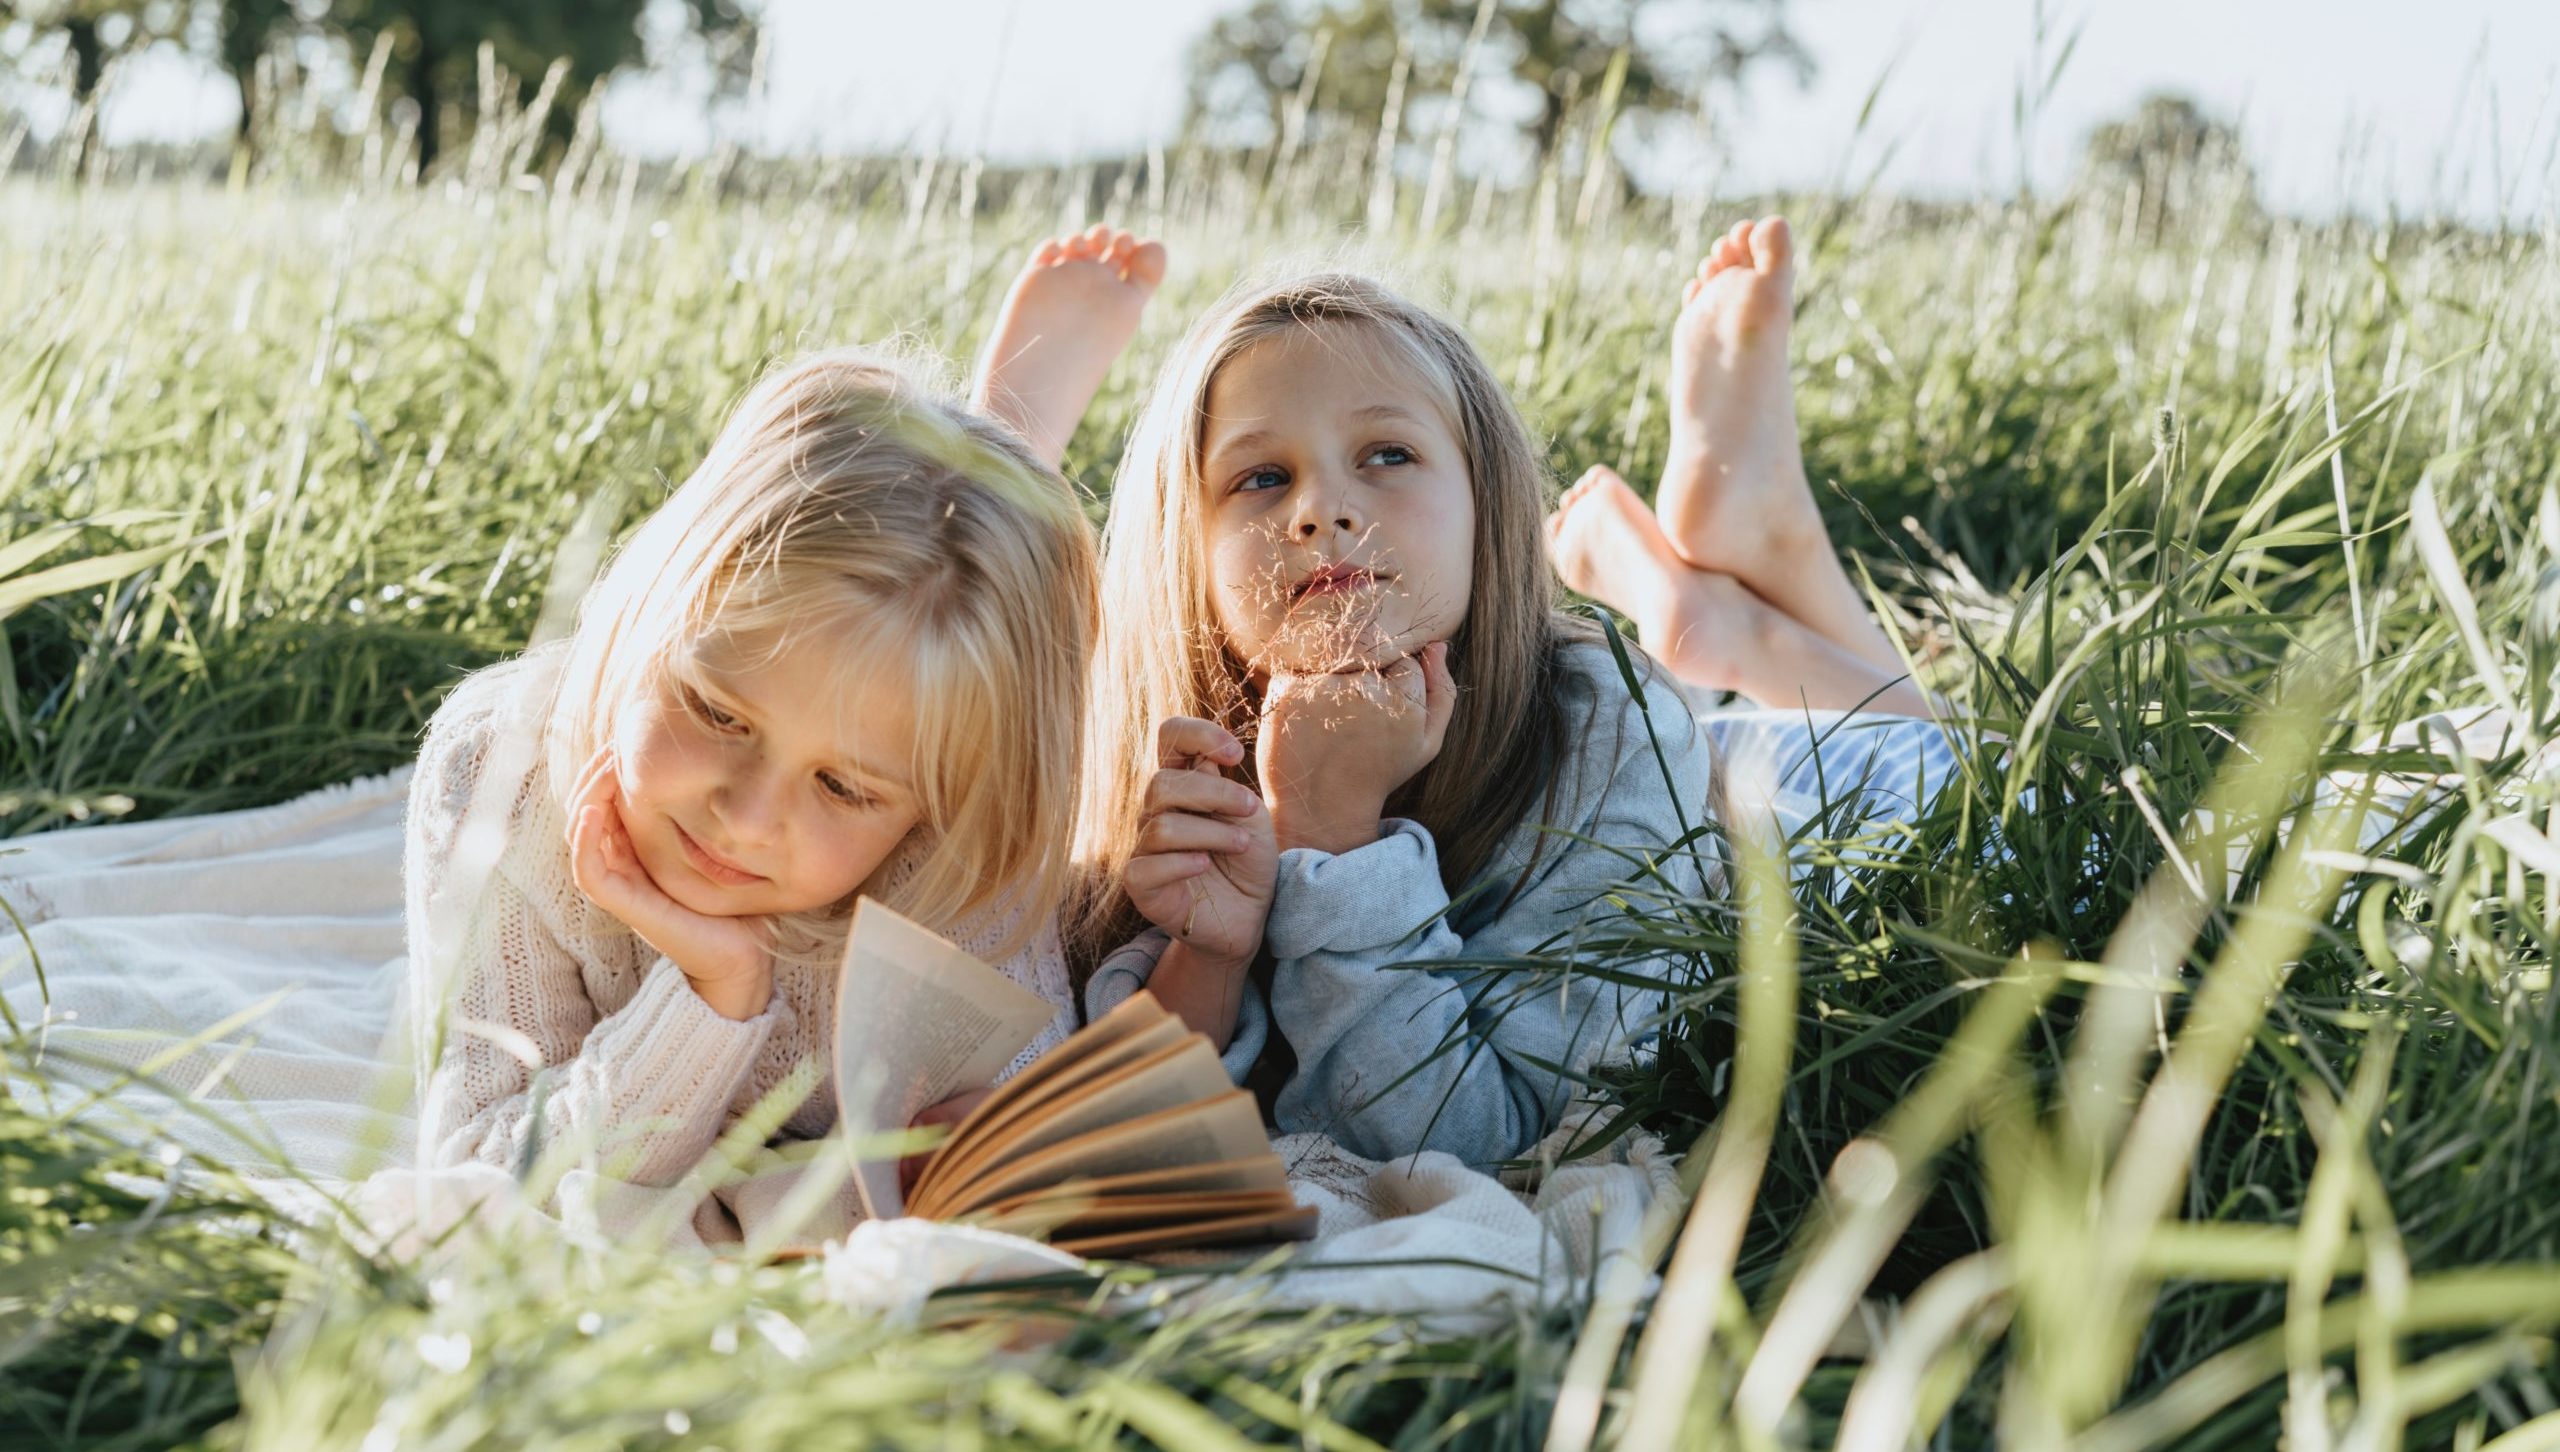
(250, 963)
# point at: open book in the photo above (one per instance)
(1128, 1137)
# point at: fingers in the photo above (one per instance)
(1183, 743)
(1146, 875)
(1201, 792)
(1183, 832)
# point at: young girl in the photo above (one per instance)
(1323, 571)
(845, 658)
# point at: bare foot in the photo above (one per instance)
(1065, 321)
(1734, 496)
(1706, 627)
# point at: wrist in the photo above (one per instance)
(1335, 828)
(735, 996)
(1206, 962)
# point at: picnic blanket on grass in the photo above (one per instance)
(230, 984)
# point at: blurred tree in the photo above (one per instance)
(1253, 62)
(245, 31)
(2170, 156)
(436, 43)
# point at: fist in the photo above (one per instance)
(1336, 746)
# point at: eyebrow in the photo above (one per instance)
(1250, 439)
(1255, 438)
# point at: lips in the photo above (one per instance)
(1333, 580)
(711, 865)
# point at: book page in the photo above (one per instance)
(1074, 1219)
(1261, 1173)
(1228, 1127)
(917, 1021)
(1188, 1072)
(1297, 1224)
(1134, 1031)
(971, 1148)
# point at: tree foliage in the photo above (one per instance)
(2169, 155)
(435, 44)
(1252, 64)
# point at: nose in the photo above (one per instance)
(748, 803)
(1326, 501)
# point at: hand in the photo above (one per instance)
(1205, 860)
(950, 1111)
(1336, 746)
(725, 959)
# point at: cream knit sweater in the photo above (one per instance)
(564, 1024)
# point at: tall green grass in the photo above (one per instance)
(2073, 1135)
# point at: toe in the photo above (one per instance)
(1116, 255)
(1689, 294)
(1097, 237)
(1146, 263)
(1049, 254)
(1772, 245)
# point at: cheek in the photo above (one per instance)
(1440, 531)
(1241, 572)
(848, 851)
(661, 760)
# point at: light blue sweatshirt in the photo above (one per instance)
(1341, 923)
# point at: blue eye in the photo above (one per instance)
(1252, 482)
(1402, 455)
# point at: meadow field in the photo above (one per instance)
(2120, 1103)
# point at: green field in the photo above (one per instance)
(279, 460)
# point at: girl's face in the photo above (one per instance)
(1340, 519)
(760, 784)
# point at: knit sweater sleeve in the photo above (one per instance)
(521, 1058)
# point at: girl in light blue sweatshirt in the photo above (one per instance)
(1343, 744)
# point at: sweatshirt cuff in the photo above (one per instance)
(1129, 967)
(668, 1056)
(1124, 972)
(1364, 900)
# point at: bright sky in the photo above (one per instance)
(2451, 102)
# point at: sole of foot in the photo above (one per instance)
(1066, 320)
(1701, 624)
(1734, 497)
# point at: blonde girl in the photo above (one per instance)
(846, 658)
(1339, 719)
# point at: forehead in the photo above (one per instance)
(1318, 373)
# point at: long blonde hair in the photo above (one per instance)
(1164, 654)
(844, 496)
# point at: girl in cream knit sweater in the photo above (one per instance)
(846, 658)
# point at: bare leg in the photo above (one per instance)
(1708, 628)
(1734, 497)
(1067, 318)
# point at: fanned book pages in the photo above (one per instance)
(1126, 1138)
